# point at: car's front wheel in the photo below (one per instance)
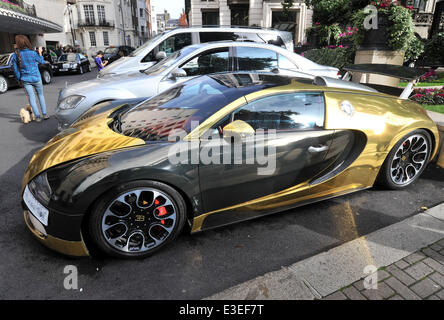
(136, 219)
(3, 84)
(407, 160)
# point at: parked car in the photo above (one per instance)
(7, 75)
(183, 65)
(171, 41)
(113, 53)
(72, 62)
(111, 178)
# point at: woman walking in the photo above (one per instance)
(26, 68)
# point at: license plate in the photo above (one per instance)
(65, 66)
(37, 210)
(63, 70)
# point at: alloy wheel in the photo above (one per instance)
(139, 220)
(47, 76)
(3, 85)
(409, 160)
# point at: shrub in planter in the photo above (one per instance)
(434, 49)
(400, 28)
(338, 57)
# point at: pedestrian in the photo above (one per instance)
(100, 64)
(26, 68)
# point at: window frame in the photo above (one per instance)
(320, 128)
(236, 58)
(90, 33)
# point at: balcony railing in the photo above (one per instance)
(423, 19)
(95, 23)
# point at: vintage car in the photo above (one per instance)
(7, 76)
(72, 63)
(118, 181)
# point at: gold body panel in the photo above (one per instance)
(88, 137)
(382, 118)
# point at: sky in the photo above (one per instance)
(174, 7)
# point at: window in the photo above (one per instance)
(208, 62)
(416, 4)
(101, 13)
(105, 38)
(141, 12)
(89, 13)
(250, 58)
(92, 39)
(284, 112)
(239, 14)
(170, 45)
(218, 36)
(210, 17)
(284, 63)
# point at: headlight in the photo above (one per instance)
(70, 102)
(40, 188)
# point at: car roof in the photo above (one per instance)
(225, 43)
(227, 28)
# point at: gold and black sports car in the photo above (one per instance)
(112, 181)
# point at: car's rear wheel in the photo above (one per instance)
(80, 69)
(407, 160)
(3, 84)
(46, 77)
(137, 218)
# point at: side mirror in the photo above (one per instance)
(178, 73)
(237, 130)
(161, 55)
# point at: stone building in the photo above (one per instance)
(20, 17)
(262, 13)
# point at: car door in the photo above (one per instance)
(206, 62)
(300, 147)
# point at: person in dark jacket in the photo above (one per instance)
(26, 68)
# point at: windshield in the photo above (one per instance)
(177, 108)
(145, 45)
(71, 57)
(4, 58)
(111, 50)
(169, 61)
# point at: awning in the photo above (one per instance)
(15, 22)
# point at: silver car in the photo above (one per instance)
(170, 41)
(181, 66)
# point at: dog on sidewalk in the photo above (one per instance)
(26, 114)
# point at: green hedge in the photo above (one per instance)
(337, 57)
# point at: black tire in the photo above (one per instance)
(3, 85)
(46, 77)
(97, 217)
(394, 162)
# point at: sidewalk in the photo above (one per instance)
(408, 254)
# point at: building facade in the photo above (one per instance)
(428, 16)
(96, 25)
(20, 17)
(262, 13)
(161, 20)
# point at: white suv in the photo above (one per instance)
(168, 42)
